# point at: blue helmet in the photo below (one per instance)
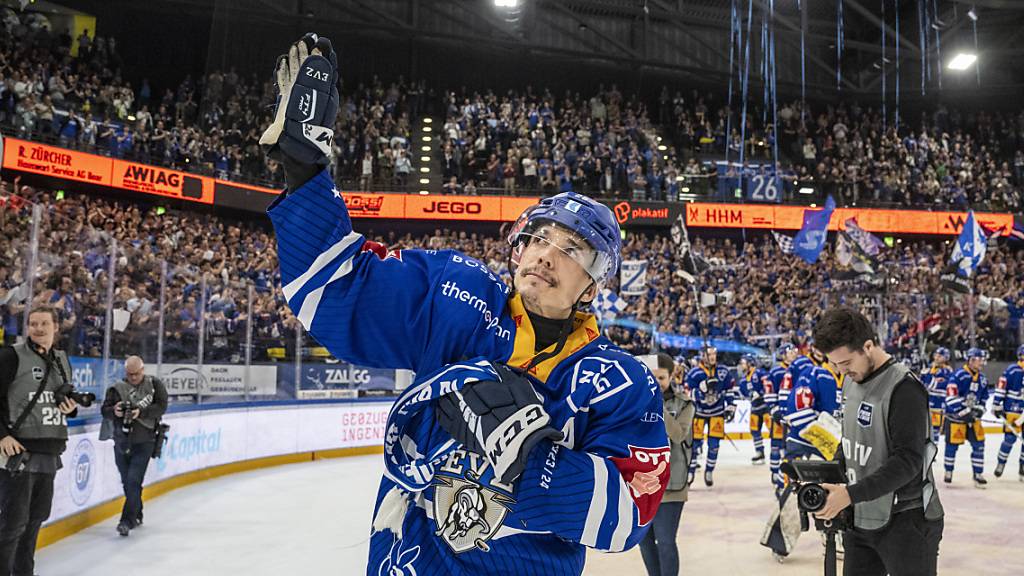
(592, 221)
(944, 352)
(976, 353)
(1020, 351)
(751, 359)
(786, 348)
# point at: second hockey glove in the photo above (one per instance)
(1000, 413)
(302, 132)
(730, 413)
(500, 420)
(977, 412)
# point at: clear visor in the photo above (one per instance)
(544, 235)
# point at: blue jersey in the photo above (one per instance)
(752, 387)
(712, 389)
(777, 387)
(1009, 393)
(966, 390)
(935, 380)
(817, 390)
(423, 310)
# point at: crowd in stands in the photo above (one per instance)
(71, 92)
(604, 145)
(945, 158)
(760, 291)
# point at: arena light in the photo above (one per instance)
(424, 180)
(424, 158)
(962, 61)
(427, 139)
(424, 169)
(428, 120)
(813, 205)
(424, 192)
(427, 128)
(806, 190)
(662, 147)
(506, 3)
(425, 149)
(684, 189)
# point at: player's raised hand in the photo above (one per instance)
(307, 105)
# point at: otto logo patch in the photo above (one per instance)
(646, 472)
(865, 414)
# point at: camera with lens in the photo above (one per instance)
(127, 420)
(83, 399)
(807, 477)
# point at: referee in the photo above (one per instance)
(888, 452)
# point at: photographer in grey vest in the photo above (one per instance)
(33, 434)
(133, 408)
(887, 453)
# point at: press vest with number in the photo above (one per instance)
(866, 445)
(140, 396)
(45, 421)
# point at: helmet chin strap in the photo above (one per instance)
(564, 332)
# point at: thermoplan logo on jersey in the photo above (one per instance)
(865, 414)
(81, 472)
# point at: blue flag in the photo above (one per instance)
(811, 238)
(970, 247)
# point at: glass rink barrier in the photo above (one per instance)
(211, 323)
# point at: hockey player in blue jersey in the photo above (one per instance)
(935, 380)
(526, 436)
(966, 395)
(777, 389)
(752, 387)
(713, 389)
(1008, 404)
(817, 389)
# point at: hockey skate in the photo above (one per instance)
(709, 481)
(948, 477)
(999, 469)
(979, 481)
(758, 460)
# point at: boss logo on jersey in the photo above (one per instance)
(865, 414)
(468, 509)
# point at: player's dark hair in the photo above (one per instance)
(840, 327)
(665, 362)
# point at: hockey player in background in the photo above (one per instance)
(777, 389)
(526, 436)
(817, 390)
(1008, 404)
(935, 380)
(752, 385)
(714, 394)
(965, 403)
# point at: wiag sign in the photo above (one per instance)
(162, 181)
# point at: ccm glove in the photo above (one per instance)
(999, 412)
(301, 134)
(500, 420)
